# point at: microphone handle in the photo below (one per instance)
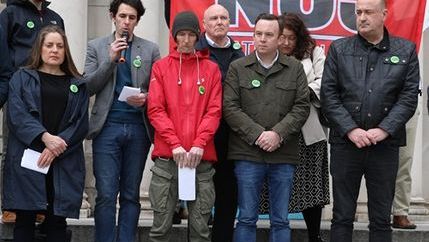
(122, 58)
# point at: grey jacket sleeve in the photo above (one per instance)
(98, 67)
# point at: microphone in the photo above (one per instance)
(124, 51)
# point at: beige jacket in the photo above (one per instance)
(312, 130)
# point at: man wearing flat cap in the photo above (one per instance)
(184, 107)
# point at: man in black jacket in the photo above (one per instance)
(223, 50)
(369, 91)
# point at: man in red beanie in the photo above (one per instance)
(184, 107)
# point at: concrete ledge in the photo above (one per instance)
(83, 231)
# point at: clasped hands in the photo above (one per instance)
(189, 159)
(363, 138)
(269, 141)
(55, 146)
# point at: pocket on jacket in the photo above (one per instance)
(395, 66)
(206, 191)
(249, 95)
(285, 92)
(159, 189)
(354, 108)
(286, 85)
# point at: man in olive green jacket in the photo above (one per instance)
(266, 101)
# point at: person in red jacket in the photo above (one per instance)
(184, 107)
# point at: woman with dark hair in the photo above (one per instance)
(311, 182)
(47, 113)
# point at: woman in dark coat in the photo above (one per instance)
(48, 113)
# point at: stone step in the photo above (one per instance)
(83, 231)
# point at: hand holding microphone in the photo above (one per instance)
(118, 48)
(124, 51)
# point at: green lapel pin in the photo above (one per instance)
(256, 83)
(137, 62)
(201, 90)
(30, 24)
(236, 46)
(394, 59)
(74, 88)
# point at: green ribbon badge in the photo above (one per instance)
(201, 90)
(394, 59)
(256, 83)
(73, 88)
(236, 46)
(137, 62)
(30, 24)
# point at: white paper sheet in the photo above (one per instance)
(127, 92)
(186, 179)
(29, 161)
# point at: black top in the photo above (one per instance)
(54, 94)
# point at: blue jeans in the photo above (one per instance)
(120, 152)
(250, 178)
(379, 165)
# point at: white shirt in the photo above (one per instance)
(269, 65)
(214, 45)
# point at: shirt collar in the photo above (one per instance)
(269, 65)
(214, 45)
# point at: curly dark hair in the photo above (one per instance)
(136, 4)
(304, 42)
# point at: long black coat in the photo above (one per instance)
(23, 188)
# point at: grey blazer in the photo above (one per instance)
(100, 75)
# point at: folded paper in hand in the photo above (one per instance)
(186, 179)
(29, 161)
(128, 92)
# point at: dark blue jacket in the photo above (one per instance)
(23, 188)
(21, 22)
(223, 58)
(5, 68)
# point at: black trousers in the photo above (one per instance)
(225, 189)
(379, 165)
(54, 226)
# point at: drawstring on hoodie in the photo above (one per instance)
(179, 82)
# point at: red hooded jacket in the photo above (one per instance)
(185, 103)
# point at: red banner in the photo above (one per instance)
(327, 20)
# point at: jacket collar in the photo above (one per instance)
(252, 62)
(202, 54)
(203, 44)
(33, 74)
(252, 59)
(384, 44)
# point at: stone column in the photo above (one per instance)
(419, 210)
